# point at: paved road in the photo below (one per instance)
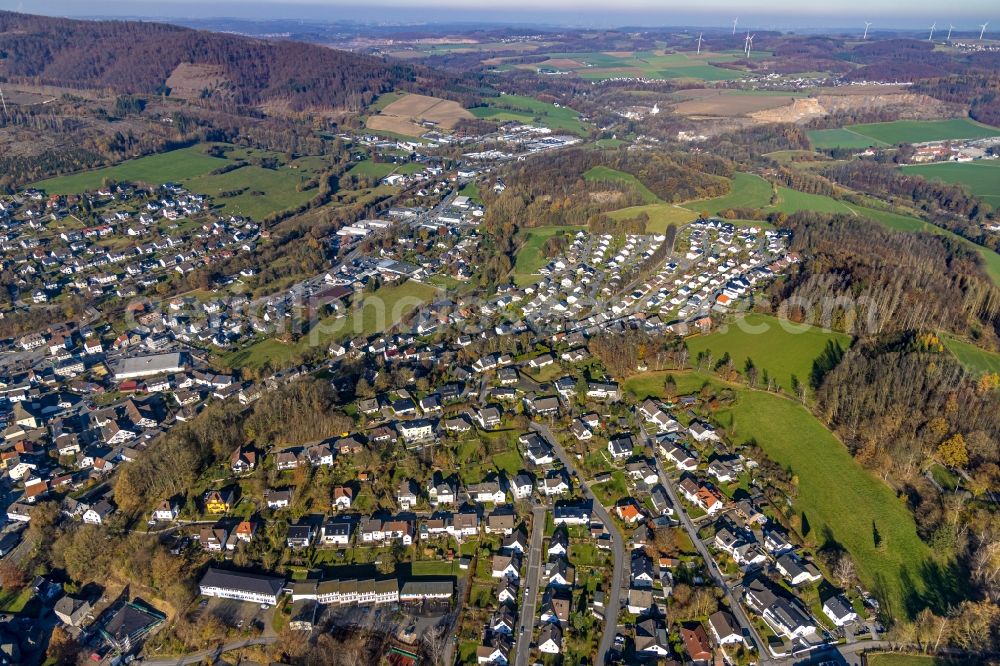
(613, 605)
(713, 568)
(532, 579)
(211, 654)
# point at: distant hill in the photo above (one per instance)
(149, 58)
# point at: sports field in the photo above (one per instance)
(837, 498)
(780, 347)
(529, 110)
(975, 360)
(606, 174)
(901, 131)
(981, 177)
(748, 191)
(661, 216)
(173, 166)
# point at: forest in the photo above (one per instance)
(914, 281)
(139, 57)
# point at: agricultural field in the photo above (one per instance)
(841, 138)
(720, 102)
(901, 131)
(837, 499)
(748, 191)
(981, 177)
(528, 110)
(173, 166)
(661, 216)
(781, 348)
(404, 115)
(975, 360)
(596, 66)
(530, 256)
(606, 174)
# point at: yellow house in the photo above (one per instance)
(219, 501)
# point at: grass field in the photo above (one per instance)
(792, 201)
(374, 312)
(778, 347)
(176, 165)
(529, 110)
(975, 360)
(901, 131)
(841, 138)
(661, 215)
(748, 191)
(981, 177)
(530, 257)
(260, 191)
(837, 499)
(607, 174)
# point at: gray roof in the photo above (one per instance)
(239, 580)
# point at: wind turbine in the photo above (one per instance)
(868, 24)
(735, 21)
(950, 28)
(983, 31)
(699, 42)
(750, 43)
(930, 38)
(3, 102)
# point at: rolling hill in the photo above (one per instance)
(151, 58)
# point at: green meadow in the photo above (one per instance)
(747, 191)
(975, 360)
(901, 131)
(661, 216)
(780, 347)
(982, 177)
(529, 110)
(530, 256)
(837, 499)
(607, 174)
(173, 166)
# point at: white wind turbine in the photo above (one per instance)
(699, 42)
(930, 37)
(735, 21)
(750, 43)
(950, 28)
(868, 24)
(983, 30)
(3, 103)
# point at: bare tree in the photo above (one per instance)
(435, 642)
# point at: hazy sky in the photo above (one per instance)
(763, 14)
